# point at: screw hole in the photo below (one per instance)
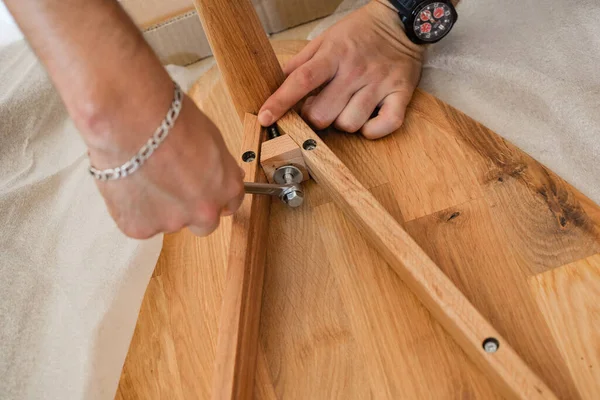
(249, 156)
(491, 345)
(310, 144)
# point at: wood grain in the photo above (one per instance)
(314, 333)
(235, 360)
(447, 304)
(463, 241)
(568, 297)
(244, 55)
(360, 275)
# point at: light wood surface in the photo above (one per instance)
(235, 359)
(447, 304)
(280, 151)
(568, 297)
(485, 212)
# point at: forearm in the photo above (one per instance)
(99, 63)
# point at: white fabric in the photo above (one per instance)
(71, 285)
(9, 32)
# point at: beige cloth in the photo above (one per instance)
(70, 283)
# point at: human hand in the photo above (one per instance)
(366, 61)
(190, 180)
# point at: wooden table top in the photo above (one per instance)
(518, 241)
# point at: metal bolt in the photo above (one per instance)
(272, 132)
(289, 175)
(295, 198)
(309, 144)
(248, 156)
(491, 345)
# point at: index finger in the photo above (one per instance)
(301, 81)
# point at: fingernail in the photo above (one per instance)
(265, 118)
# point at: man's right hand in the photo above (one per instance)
(117, 92)
(190, 180)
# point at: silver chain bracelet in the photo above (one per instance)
(148, 148)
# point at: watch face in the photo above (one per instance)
(433, 22)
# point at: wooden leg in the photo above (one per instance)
(235, 361)
(449, 306)
(244, 55)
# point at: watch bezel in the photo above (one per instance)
(408, 21)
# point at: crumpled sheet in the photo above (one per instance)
(71, 284)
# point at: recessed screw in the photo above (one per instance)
(272, 132)
(491, 345)
(310, 144)
(249, 156)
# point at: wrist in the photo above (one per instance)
(386, 17)
(117, 123)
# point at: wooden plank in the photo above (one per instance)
(415, 268)
(305, 325)
(568, 298)
(428, 167)
(235, 359)
(244, 55)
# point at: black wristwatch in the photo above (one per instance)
(426, 21)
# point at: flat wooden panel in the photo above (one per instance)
(450, 307)
(568, 298)
(463, 240)
(430, 168)
(310, 344)
(384, 341)
(305, 329)
(546, 224)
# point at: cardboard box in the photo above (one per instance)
(173, 28)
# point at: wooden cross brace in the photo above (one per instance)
(252, 73)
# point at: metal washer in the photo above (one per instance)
(289, 171)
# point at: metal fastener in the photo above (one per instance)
(287, 186)
(491, 345)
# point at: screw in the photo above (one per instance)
(290, 176)
(491, 345)
(309, 144)
(295, 197)
(248, 156)
(272, 132)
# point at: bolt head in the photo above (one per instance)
(295, 198)
(490, 345)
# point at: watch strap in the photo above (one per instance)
(404, 7)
